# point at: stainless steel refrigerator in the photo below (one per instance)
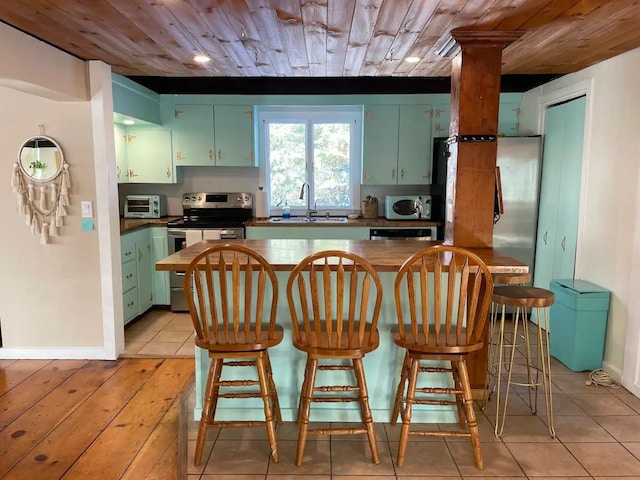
(520, 162)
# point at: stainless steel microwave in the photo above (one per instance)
(145, 206)
(407, 207)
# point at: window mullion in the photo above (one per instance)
(309, 160)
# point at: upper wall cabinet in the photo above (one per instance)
(148, 155)
(397, 145)
(234, 136)
(120, 137)
(193, 135)
(205, 135)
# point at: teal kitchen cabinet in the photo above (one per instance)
(414, 145)
(397, 145)
(193, 132)
(149, 152)
(560, 192)
(137, 296)
(120, 138)
(440, 120)
(509, 119)
(160, 280)
(234, 136)
(307, 232)
(208, 135)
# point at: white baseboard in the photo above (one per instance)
(614, 373)
(55, 353)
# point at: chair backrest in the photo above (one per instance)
(443, 310)
(334, 299)
(232, 293)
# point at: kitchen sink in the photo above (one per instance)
(309, 220)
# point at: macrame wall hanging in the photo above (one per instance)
(42, 182)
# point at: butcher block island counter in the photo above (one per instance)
(382, 365)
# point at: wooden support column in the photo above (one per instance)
(475, 99)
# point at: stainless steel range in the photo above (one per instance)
(205, 216)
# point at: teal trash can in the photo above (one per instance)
(578, 323)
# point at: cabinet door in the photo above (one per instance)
(120, 137)
(145, 286)
(193, 131)
(559, 192)
(160, 250)
(569, 195)
(380, 149)
(234, 136)
(414, 145)
(509, 120)
(440, 119)
(149, 155)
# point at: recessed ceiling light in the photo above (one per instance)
(128, 122)
(412, 59)
(201, 58)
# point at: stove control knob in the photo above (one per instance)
(193, 199)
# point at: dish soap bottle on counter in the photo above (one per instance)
(286, 210)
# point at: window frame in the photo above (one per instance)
(312, 115)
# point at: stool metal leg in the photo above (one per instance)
(545, 359)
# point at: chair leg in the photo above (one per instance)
(406, 412)
(363, 397)
(272, 389)
(216, 387)
(266, 398)
(471, 414)
(462, 417)
(302, 389)
(207, 410)
(305, 405)
(400, 391)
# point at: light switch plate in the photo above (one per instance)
(86, 207)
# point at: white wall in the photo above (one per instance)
(51, 295)
(607, 232)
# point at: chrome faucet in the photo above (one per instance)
(309, 210)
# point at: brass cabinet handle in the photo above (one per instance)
(130, 275)
(180, 157)
(211, 155)
(219, 154)
(402, 173)
(393, 173)
(139, 254)
(563, 242)
(118, 170)
(168, 172)
(126, 254)
(544, 238)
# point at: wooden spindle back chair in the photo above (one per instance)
(442, 296)
(232, 294)
(334, 299)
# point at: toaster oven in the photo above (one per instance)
(407, 207)
(145, 206)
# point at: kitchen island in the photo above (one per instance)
(382, 365)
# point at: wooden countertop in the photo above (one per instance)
(358, 222)
(128, 225)
(384, 255)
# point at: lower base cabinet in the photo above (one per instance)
(160, 280)
(137, 292)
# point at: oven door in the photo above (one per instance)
(178, 241)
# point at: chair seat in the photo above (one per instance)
(523, 296)
(421, 345)
(332, 345)
(243, 342)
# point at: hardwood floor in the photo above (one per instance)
(76, 419)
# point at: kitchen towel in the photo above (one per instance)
(261, 203)
(211, 234)
(193, 236)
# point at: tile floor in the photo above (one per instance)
(597, 433)
(597, 437)
(159, 333)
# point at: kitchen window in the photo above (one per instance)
(317, 145)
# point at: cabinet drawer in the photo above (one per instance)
(127, 248)
(130, 304)
(129, 276)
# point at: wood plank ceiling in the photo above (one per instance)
(323, 38)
